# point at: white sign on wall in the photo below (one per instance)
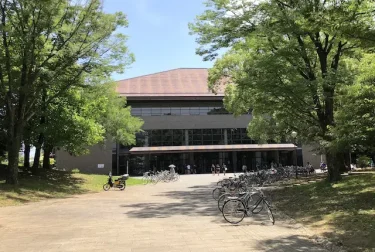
(100, 166)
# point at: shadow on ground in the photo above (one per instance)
(195, 201)
(47, 185)
(343, 212)
(291, 244)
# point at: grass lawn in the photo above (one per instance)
(52, 185)
(343, 212)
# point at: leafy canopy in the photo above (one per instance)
(286, 60)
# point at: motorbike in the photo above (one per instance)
(119, 183)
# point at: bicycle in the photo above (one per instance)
(236, 208)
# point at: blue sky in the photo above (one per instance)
(158, 34)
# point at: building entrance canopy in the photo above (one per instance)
(213, 148)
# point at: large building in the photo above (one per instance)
(184, 124)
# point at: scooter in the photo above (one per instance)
(119, 183)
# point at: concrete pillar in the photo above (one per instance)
(225, 136)
(186, 137)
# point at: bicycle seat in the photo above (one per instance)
(232, 198)
(242, 193)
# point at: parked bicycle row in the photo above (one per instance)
(237, 198)
(163, 176)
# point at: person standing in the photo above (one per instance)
(213, 169)
(310, 168)
(224, 169)
(244, 168)
(218, 169)
(188, 168)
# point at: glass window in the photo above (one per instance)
(217, 131)
(217, 139)
(207, 142)
(140, 139)
(197, 142)
(207, 131)
(156, 111)
(203, 110)
(197, 133)
(212, 111)
(155, 138)
(166, 111)
(178, 137)
(146, 111)
(137, 111)
(185, 111)
(175, 111)
(194, 111)
(207, 138)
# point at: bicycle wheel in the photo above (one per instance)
(255, 203)
(269, 212)
(221, 201)
(176, 177)
(144, 180)
(154, 180)
(106, 187)
(234, 211)
(216, 193)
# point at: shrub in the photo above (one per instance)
(75, 170)
(363, 161)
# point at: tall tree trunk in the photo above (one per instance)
(14, 139)
(37, 156)
(26, 161)
(41, 135)
(46, 162)
(13, 157)
(334, 162)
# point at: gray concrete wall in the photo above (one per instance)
(310, 155)
(195, 122)
(99, 154)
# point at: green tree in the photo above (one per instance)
(355, 120)
(89, 116)
(47, 46)
(286, 61)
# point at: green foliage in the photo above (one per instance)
(355, 120)
(287, 61)
(343, 212)
(49, 51)
(53, 185)
(87, 116)
(75, 170)
(363, 161)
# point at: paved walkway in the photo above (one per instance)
(179, 216)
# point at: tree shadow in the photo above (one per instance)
(47, 185)
(195, 201)
(294, 243)
(343, 212)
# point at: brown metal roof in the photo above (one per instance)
(212, 148)
(181, 82)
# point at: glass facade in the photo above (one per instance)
(180, 137)
(178, 111)
(201, 161)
